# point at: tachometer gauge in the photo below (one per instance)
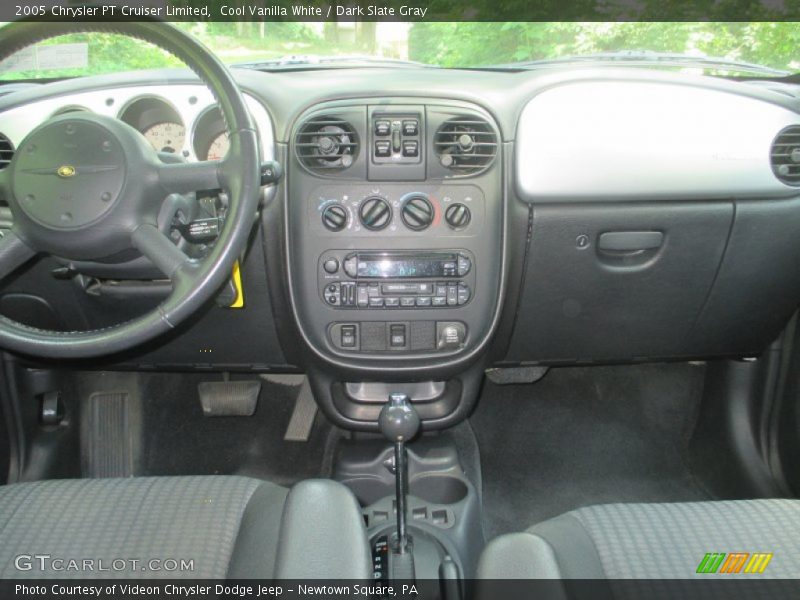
(166, 137)
(219, 147)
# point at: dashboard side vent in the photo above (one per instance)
(465, 145)
(6, 151)
(784, 156)
(326, 143)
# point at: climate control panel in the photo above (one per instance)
(452, 210)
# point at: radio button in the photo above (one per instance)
(424, 288)
(464, 265)
(363, 295)
(441, 289)
(376, 302)
(408, 301)
(374, 290)
(423, 301)
(391, 301)
(440, 301)
(463, 294)
(331, 266)
(452, 294)
(350, 265)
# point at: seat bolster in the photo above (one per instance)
(518, 556)
(576, 553)
(256, 547)
(322, 535)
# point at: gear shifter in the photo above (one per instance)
(399, 422)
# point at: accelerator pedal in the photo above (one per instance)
(111, 442)
(229, 398)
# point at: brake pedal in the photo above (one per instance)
(303, 415)
(229, 398)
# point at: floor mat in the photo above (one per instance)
(179, 440)
(584, 436)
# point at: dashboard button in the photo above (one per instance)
(331, 266)
(350, 265)
(348, 336)
(362, 295)
(450, 335)
(464, 265)
(376, 302)
(463, 294)
(408, 301)
(397, 336)
(410, 127)
(382, 127)
(391, 301)
(452, 294)
(424, 301)
(410, 149)
(440, 301)
(383, 149)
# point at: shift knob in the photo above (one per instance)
(399, 421)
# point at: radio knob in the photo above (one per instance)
(417, 213)
(457, 216)
(375, 213)
(334, 217)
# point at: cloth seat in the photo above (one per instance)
(210, 527)
(666, 542)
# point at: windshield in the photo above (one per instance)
(440, 44)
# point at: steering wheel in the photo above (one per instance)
(89, 187)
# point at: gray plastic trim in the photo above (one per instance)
(601, 140)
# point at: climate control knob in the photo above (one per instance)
(457, 216)
(375, 213)
(334, 217)
(417, 213)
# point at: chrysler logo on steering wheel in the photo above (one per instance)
(65, 171)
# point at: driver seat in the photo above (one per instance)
(221, 527)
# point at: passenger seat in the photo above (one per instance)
(757, 538)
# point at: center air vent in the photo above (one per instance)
(785, 156)
(6, 151)
(465, 145)
(326, 143)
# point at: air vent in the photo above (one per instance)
(465, 145)
(6, 151)
(326, 143)
(785, 156)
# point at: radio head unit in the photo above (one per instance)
(394, 265)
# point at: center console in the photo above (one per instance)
(394, 230)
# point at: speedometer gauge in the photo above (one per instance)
(166, 137)
(219, 147)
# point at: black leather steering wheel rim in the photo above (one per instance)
(194, 283)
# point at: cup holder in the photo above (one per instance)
(369, 490)
(438, 489)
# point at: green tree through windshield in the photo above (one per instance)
(464, 44)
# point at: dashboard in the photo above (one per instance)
(435, 223)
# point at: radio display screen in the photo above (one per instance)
(399, 266)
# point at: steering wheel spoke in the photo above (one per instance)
(13, 253)
(165, 255)
(183, 178)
